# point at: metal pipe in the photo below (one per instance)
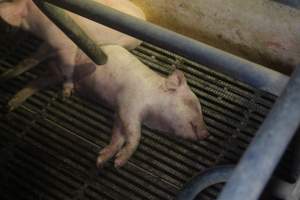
(73, 31)
(295, 194)
(238, 68)
(284, 190)
(204, 180)
(295, 169)
(262, 156)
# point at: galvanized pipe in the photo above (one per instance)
(261, 158)
(220, 174)
(73, 31)
(238, 68)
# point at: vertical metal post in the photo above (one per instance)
(262, 156)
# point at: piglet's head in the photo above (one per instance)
(183, 113)
(13, 11)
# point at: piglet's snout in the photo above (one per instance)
(200, 132)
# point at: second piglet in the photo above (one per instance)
(26, 15)
(138, 95)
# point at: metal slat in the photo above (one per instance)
(59, 140)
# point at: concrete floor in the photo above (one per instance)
(263, 31)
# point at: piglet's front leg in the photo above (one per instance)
(126, 131)
(131, 127)
(66, 65)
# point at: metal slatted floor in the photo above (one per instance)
(48, 147)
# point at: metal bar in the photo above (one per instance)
(204, 180)
(284, 190)
(296, 157)
(264, 153)
(73, 31)
(238, 68)
(295, 194)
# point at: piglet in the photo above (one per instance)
(138, 95)
(26, 15)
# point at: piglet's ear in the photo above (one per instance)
(175, 80)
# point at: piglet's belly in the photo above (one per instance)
(98, 89)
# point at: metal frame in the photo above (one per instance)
(236, 67)
(278, 188)
(264, 153)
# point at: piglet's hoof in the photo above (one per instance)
(122, 157)
(13, 104)
(107, 153)
(104, 155)
(67, 92)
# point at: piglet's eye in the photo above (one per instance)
(194, 127)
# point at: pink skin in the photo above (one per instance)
(138, 94)
(24, 14)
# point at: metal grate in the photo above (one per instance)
(48, 146)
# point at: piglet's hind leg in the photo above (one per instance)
(39, 56)
(131, 127)
(30, 90)
(116, 143)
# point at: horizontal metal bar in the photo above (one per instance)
(73, 31)
(238, 68)
(266, 149)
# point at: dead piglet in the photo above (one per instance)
(140, 95)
